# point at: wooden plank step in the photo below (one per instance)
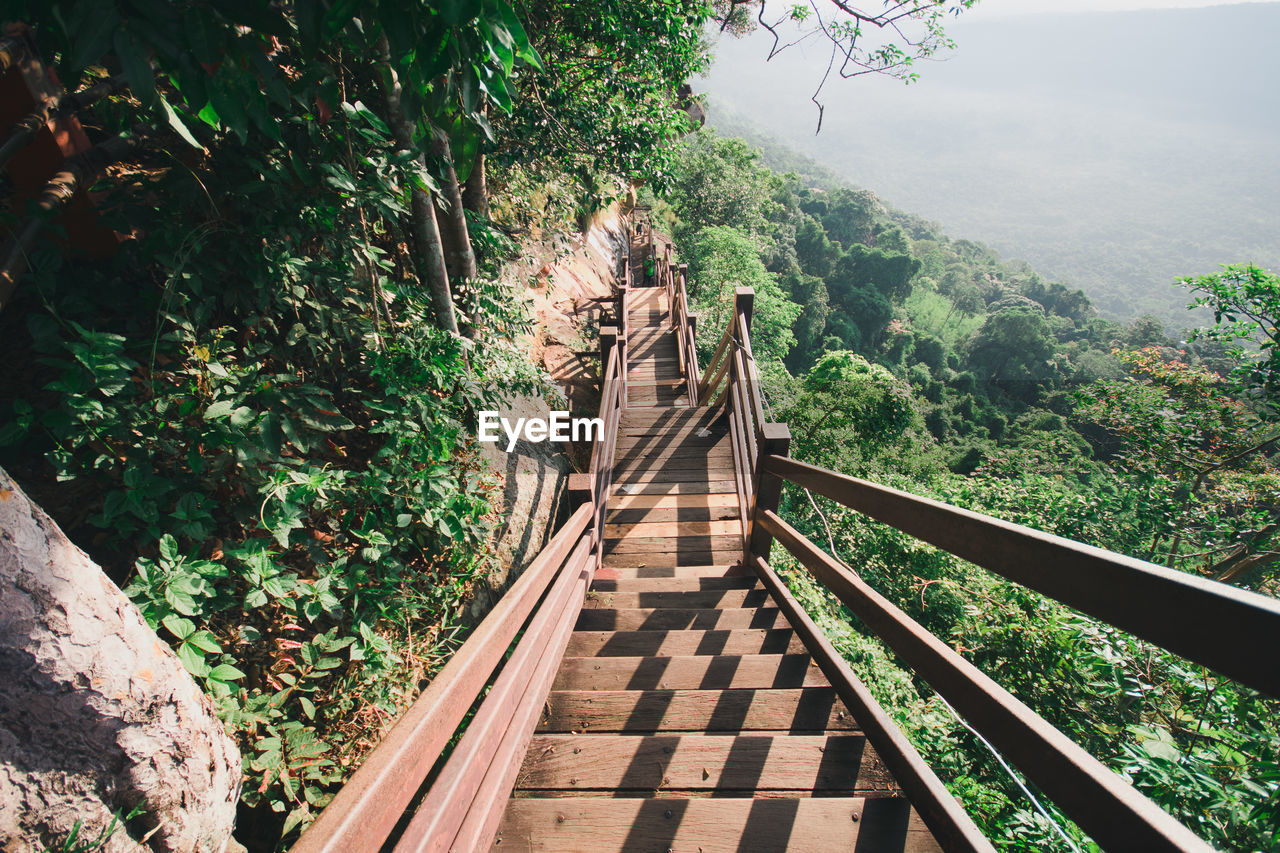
(708, 454)
(744, 641)
(672, 558)
(686, 584)
(674, 545)
(654, 529)
(688, 513)
(735, 570)
(623, 501)
(688, 672)
(805, 709)
(706, 619)
(633, 405)
(756, 596)
(688, 440)
(842, 763)
(717, 472)
(713, 825)
(693, 440)
(721, 486)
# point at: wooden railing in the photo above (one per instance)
(673, 278)
(732, 380)
(1232, 631)
(461, 806)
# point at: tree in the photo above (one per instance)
(1245, 300)
(1014, 348)
(720, 182)
(98, 716)
(253, 68)
(846, 402)
(606, 99)
(862, 38)
(720, 259)
(1181, 428)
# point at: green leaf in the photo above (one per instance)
(137, 67)
(179, 627)
(177, 124)
(91, 28)
(169, 549)
(242, 417)
(205, 642)
(308, 707)
(193, 660)
(226, 672)
(219, 409)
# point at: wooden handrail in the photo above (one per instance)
(1202, 620)
(455, 812)
(1105, 806)
(462, 807)
(942, 813)
(366, 809)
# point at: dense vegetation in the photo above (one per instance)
(925, 363)
(259, 415)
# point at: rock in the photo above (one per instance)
(97, 714)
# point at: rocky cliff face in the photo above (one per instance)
(572, 282)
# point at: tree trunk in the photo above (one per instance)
(97, 714)
(475, 193)
(460, 257)
(426, 247)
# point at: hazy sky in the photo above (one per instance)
(991, 8)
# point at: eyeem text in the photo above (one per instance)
(558, 427)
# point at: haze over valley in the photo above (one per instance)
(1112, 150)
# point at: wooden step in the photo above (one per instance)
(744, 641)
(710, 454)
(644, 560)
(713, 825)
(690, 599)
(689, 513)
(613, 572)
(624, 501)
(688, 672)
(664, 420)
(805, 709)
(655, 529)
(717, 473)
(634, 405)
(706, 619)
(674, 545)
(687, 439)
(722, 487)
(841, 763)
(685, 584)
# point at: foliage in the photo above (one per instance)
(274, 439)
(721, 259)
(929, 365)
(1203, 453)
(1245, 301)
(607, 99)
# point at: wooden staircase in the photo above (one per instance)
(649, 682)
(686, 713)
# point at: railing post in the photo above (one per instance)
(744, 302)
(775, 440)
(608, 340)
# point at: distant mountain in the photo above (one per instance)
(1114, 151)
